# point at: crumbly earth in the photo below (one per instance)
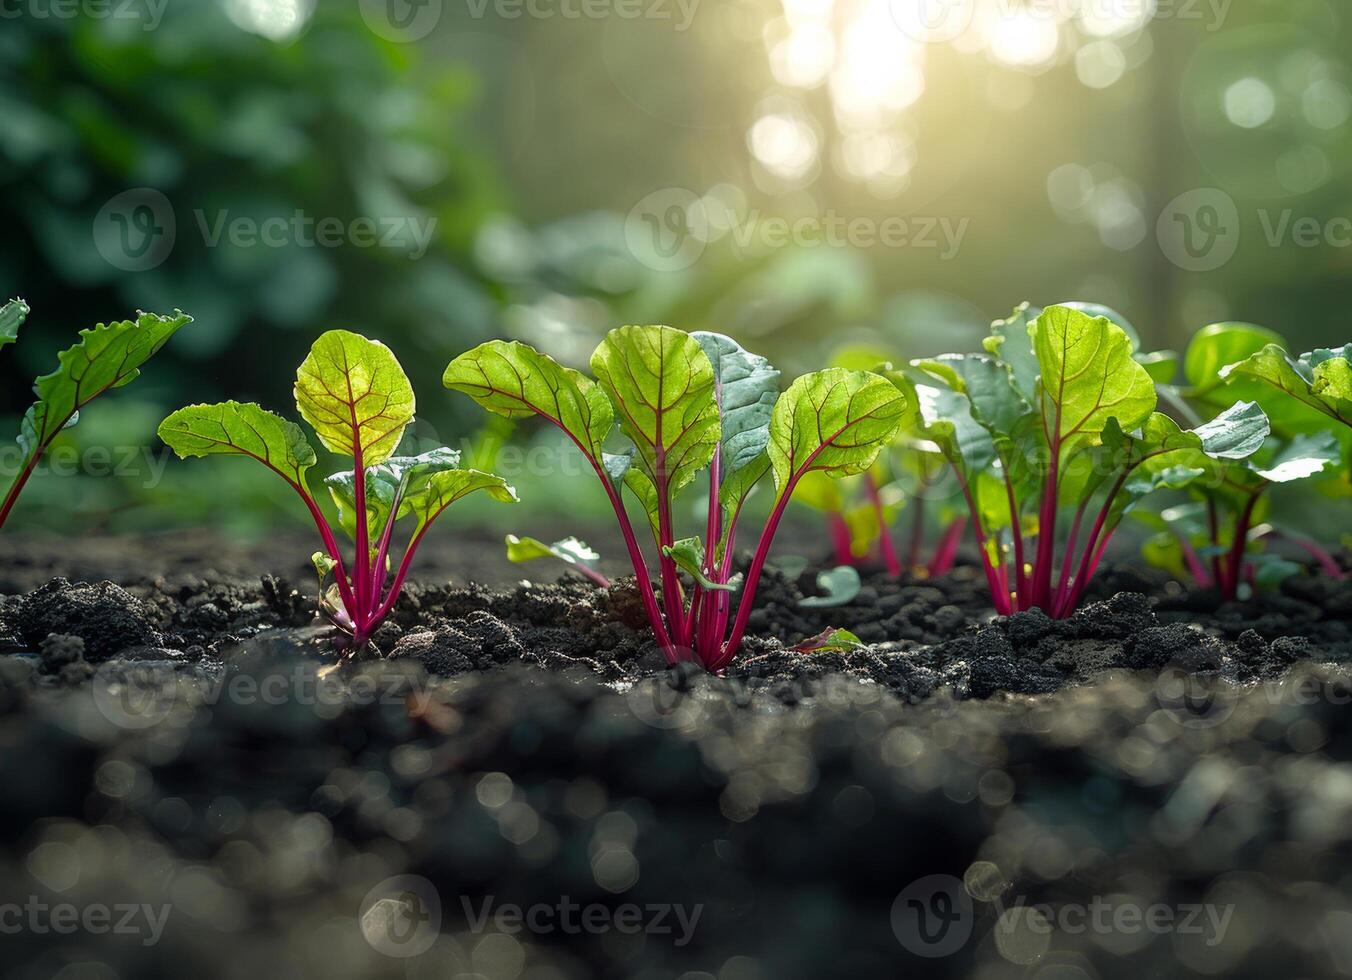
(1158, 786)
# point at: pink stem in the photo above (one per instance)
(999, 597)
(885, 543)
(1195, 566)
(840, 538)
(1016, 525)
(947, 549)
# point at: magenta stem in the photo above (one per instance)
(885, 542)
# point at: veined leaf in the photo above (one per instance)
(1088, 376)
(839, 585)
(386, 483)
(1095, 310)
(830, 640)
(570, 550)
(1011, 341)
(428, 498)
(240, 429)
(1237, 433)
(355, 395)
(1214, 347)
(688, 554)
(945, 418)
(516, 381)
(835, 421)
(1320, 380)
(745, 389)
(1161, 365)
(1303, 456)
(108, 356)
(662, 384)
(12, 316)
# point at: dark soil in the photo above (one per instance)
(180, 739)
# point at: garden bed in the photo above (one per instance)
(169, 741)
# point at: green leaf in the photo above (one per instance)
(840, 585)
(428, 498)
(1213, 348)
(830, 640)
(240, 429)
(570, 550)
(1236, 433)
(1012, 342)
(836, 421)
(324, 566)
(355, 395)
(108, 356)
(516, 381)
(1320, 380)
(745, 389)
(1303, 456)
(945, 417)
(386, 484)
(1161, 365)
(688, 554)
(1088, 376)
(1095, 310)
(662, 384)
(12, 316)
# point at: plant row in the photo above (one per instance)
(1051, 436)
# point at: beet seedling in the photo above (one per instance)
(108, 356)
(358, 400)
(687, 403)
(1060, 414)
(1216, 540)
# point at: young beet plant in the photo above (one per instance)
(1059, 416)
(1216, 538)
(687, 403)
(108, 356)
(358, 400)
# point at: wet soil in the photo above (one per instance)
(179, 739)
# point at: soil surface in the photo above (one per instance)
(518, 786)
